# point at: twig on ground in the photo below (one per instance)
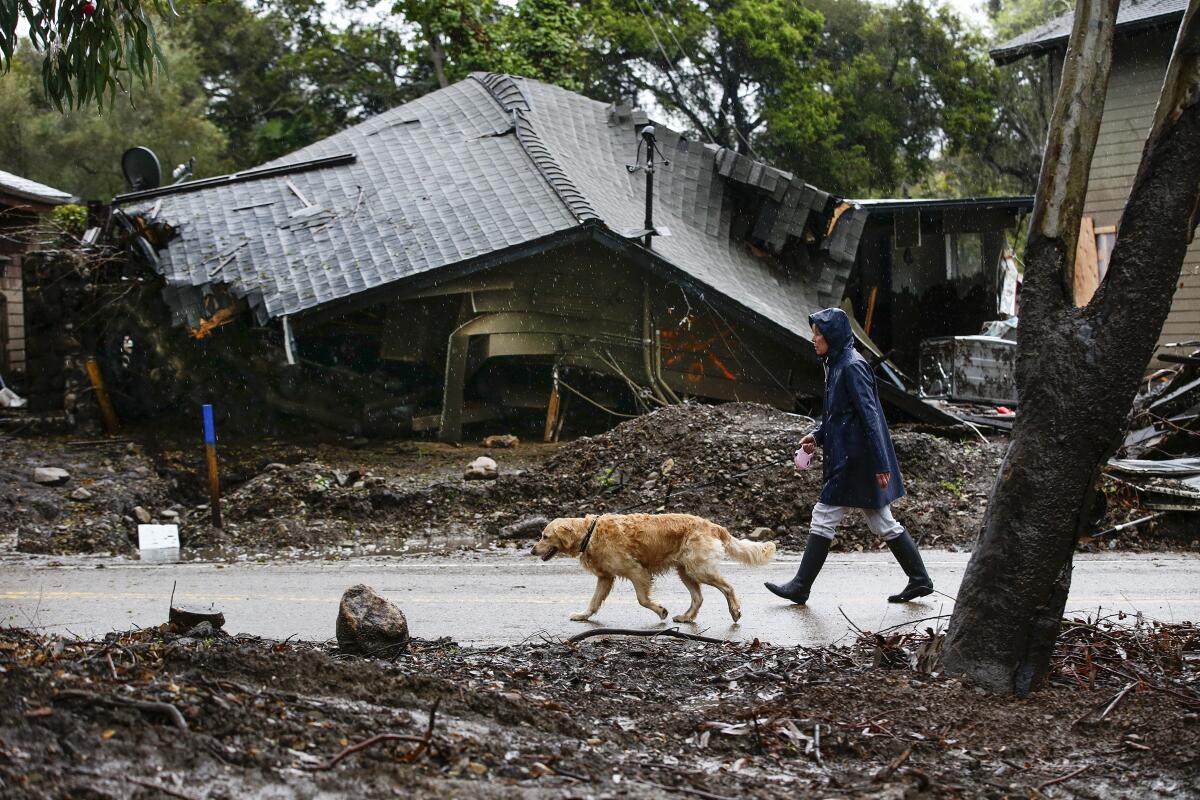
(816, 743)
(363, 745)
(895, 764)
(572, 775)
(672, 632)
(166, 709)
(1062, 778)
(685, 790)
(852, 625)
(136, 781)
(912, 622)
(416, 752)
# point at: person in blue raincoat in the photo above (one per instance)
(859, 465)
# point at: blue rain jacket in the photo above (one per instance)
(853, 432)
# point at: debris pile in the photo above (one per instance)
(1153, 484)
(646, 717)
(733, 464)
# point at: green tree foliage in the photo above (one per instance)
(858, 96)
(549, 40)
(1006, 156)
(89, 49)
(80, 151)
(280, 76)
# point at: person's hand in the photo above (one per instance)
(809, 443)
(884, 479)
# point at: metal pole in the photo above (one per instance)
(648, 135)
(210, 451)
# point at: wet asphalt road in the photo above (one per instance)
(502, 598)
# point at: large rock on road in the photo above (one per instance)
(369, 625)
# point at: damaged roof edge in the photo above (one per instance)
(1014, 202)
(238, 177)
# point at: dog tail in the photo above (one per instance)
(753, 553)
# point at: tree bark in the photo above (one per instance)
(1078, 369)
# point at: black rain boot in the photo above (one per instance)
(919, 583)
(797, 588)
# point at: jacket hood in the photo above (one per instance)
(835, 327)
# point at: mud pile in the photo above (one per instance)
(288, 497)
(732, 464)
(153, 713)
(95, 510)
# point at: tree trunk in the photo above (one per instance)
(437, 56)
(1078, 369)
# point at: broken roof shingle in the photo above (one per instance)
(482, 166)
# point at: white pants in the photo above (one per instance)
(825, 520)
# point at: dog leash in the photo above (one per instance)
(587, 537)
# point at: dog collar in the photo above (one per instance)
(587, 537)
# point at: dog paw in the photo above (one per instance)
(736, 615)
(580, 617)
(662, 613)
(683, 618)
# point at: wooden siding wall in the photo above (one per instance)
(1139, 64)
(12, 339)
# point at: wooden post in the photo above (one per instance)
(870, 310)
(210, 451)
(111, 423)
(550, 434)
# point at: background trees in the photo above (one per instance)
(863, 97)
(80, 150)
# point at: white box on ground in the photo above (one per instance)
(158, 542)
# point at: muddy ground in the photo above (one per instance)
(151, 714)
(334, 497)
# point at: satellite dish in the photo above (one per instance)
(141, 168)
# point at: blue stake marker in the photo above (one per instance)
(210, 452)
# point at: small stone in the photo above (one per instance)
(142, 515)
(169, 514)
(202, 631)
(274, 467)
(369, 625)
(761, 534)
(528, 528)
(51, 476)
(81, 495)
(501, 440)
(482, 469)
(476, 767)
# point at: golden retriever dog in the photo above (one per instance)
(641, 546)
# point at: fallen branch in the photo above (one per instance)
(672, 632)
(1062, 778)
(166, 709)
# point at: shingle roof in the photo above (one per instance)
(32, 190)
(1133, 14)
(484, 166)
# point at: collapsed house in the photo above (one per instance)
(506, 244)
